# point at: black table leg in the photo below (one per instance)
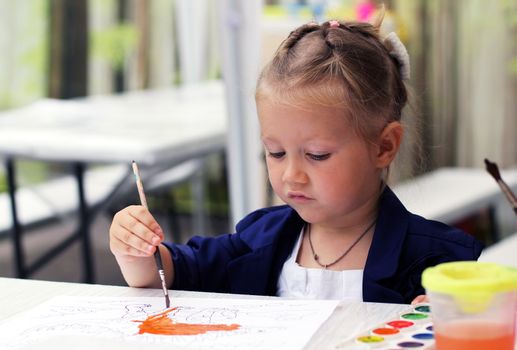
(84, 224)
(16, 232)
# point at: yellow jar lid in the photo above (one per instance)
(472, 284)
(465, 277)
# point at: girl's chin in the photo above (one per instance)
(308, 215)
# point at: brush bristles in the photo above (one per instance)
(493, 169)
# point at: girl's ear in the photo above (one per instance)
(389, 144)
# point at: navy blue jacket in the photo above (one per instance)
(250, 261)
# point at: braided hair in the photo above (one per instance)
(337, 64)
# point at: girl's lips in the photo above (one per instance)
(297, 196)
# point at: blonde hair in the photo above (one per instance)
(337, 64)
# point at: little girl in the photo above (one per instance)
(329, 107)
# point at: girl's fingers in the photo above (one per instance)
(137, 242)
(420, 299)
(134, 232)
(131, 227)
(138, 221)
(132, 246)
(143, 215)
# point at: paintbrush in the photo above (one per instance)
(493, 169)
(157, 255)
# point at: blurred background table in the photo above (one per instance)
(503, 252)
(453, 194)
(159, 129)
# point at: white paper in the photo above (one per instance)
(107, 322)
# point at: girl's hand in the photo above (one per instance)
(134, 233)
(420, 299)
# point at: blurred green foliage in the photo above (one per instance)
(114, 44)
(25, 56)
(3, 183)
(510, 7)
(35, 58)
(216, 200)
(513, 66)
(29, 173)
(32, 172)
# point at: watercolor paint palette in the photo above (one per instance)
(411, 329)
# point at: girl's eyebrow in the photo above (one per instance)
(268, 139)
(322, 143)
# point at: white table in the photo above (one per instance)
(151, 127)
(159, 129)
(451, 194)
(503, 252)
(348, 320)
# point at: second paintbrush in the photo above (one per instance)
(493, 169)
(157, 255)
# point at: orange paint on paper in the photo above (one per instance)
(162, 324)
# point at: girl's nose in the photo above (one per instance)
(294, 172)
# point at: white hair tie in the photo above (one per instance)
(399, 52)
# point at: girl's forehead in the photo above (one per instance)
(306, 112)
(307, 121)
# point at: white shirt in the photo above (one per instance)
(296, 281)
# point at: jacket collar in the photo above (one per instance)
(388, 239)
(271, 243)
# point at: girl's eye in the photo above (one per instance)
(276, 155)
(318, 157)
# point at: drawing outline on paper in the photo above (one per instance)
(217, 323)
